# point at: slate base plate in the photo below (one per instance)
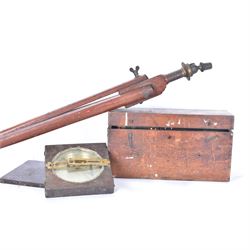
(30, 173)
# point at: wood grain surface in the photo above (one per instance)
(192, 152)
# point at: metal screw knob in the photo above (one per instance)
(205, 66)
(135, 71)
(191, 69)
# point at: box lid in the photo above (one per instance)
(171, 118)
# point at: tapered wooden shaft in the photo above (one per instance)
(75, 116)
(74, 105)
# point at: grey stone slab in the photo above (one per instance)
(30, 173)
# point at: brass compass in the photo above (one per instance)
(77, 169)
(77, 165)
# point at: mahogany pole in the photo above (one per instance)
(130, 93)
(75, 116)
(74, 105)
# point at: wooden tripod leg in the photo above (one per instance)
(73, 106)
(68, 118)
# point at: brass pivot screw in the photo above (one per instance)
(191, 69)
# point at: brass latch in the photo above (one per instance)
(77, 163)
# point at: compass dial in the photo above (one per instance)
(79, 174)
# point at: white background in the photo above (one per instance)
(56, 52)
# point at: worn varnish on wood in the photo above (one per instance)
(170, 144)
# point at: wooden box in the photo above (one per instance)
(170, 144)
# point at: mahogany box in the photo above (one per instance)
(171, 144)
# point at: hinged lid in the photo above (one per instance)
(171, 119)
